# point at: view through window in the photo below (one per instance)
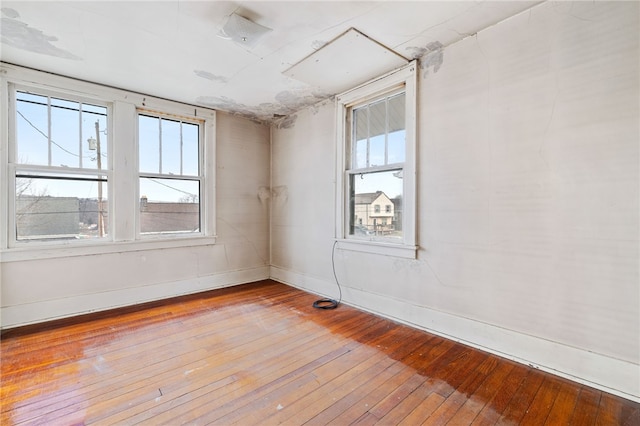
(377, 155)
(61, 178)
(170, 177)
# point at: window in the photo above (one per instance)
(170, 179)
(98, 170)
(376, 165)
(61, 168)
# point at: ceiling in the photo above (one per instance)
(171, 49)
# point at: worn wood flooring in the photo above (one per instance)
(261, 354)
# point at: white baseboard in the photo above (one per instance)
(18, 315)
(611, 375)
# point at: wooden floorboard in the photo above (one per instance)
(261, 354)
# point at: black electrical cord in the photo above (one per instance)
(330, 303)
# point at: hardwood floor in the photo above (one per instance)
(261, 354)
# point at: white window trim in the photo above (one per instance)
(123, 168)
(12, 88)
(204, 224)
(406, 76)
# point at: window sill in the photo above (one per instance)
(18, 254)
(375, 247)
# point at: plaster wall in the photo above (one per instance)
(528, 196)
(35, 290)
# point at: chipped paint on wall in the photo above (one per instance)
(264, 193)
(280, 195)
(209, 76)
(20, 35)
(432, 55)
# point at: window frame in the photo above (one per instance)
(200, 178)
(123, 198)
(385, 85)
(14, 167)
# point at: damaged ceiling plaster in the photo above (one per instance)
(173, 51)
(20, 35)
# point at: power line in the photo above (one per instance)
(49, 139)
(175, 189)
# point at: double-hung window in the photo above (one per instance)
(376, 165)
(170, 181)
(59, 167)
(96, 170)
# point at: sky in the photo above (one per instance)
(72, 124)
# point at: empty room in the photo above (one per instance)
(320, 212)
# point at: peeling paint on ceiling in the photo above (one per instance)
(172, 50)
(287, 122)
(286, 102)
(20, 35)
(210, 76)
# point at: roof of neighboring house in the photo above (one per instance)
(367, 197)
(370, 197)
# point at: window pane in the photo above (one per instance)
(168, 147)
(90, 115)
(377, 151)
(396, 112)
(54, 132)
(65, 135)
(361, 154)
(61, 208)
(378, 118)
(369, 193)
(169, 205)
(379, 134)
(396, 143)
(396, 129)
(149, 144)
(32, 126)
(171, 147)
(361, 136)
(190, 149)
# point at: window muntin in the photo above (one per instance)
(375, 170)
(368, 159)
(53, 132)
(60, 177)
(379, 132)
(170, 181)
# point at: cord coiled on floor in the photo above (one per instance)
(330, 303)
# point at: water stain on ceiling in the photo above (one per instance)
(20, 35)
(172, 50)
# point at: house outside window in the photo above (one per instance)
(376, 164)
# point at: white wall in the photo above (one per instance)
(528, 197)
(60, 286)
